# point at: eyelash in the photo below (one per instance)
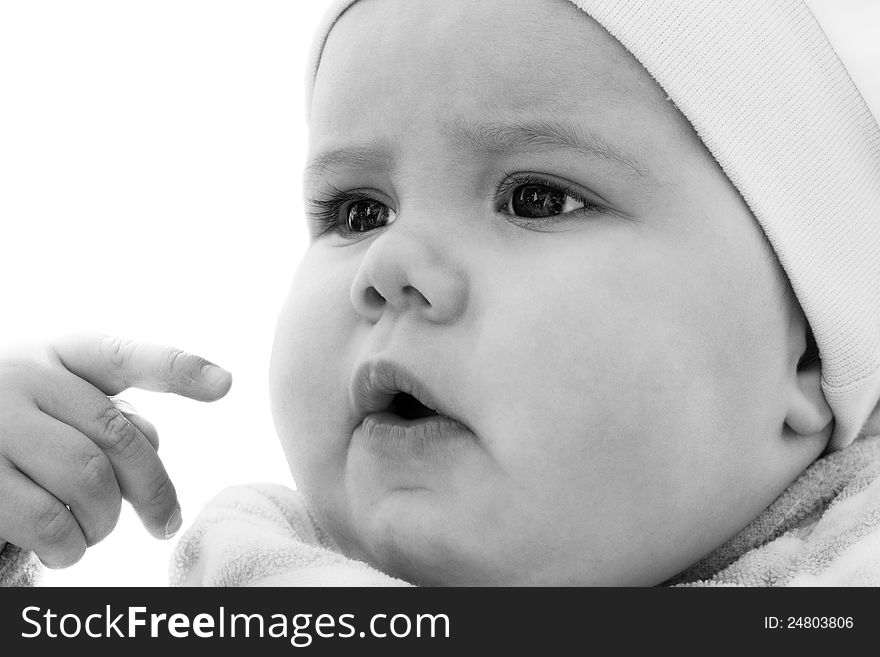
(326, 211)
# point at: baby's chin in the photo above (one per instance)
(416, 537)
(427, 540)
(403, 536)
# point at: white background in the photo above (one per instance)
(150, 160)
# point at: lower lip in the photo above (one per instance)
(397, 437)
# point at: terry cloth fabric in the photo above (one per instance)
(824, 530)
(775, 106)
(17, 567)
(262, 535)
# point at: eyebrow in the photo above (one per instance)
(527, 136)
(533, 135)
(358, 157)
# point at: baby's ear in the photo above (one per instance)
(808, 412)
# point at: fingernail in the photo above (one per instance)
(215, 376)
(174, 523)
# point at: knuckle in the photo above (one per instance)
(116, 351)
(96, 474)
(54, 524)
(175, 361)
(180, 367)
(118, 434)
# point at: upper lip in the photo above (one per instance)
(374, 384)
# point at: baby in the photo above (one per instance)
(555, 324)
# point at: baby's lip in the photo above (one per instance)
(375, 382)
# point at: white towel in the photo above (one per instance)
(263, 535)
(17, 567)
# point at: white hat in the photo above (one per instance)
(775, 106)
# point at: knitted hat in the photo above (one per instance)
(767, 94)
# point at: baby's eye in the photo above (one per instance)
(368, 214)
(538, 201)
(535, 201)
(348, 213)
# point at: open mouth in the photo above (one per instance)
(383, 388)
(402, 419)
(409, 408)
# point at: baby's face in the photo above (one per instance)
(511, 222)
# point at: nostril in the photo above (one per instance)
(374, 299)
(410, 291)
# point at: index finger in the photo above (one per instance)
(114, 364)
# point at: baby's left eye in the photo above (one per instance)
(368, 214)
(535, 200)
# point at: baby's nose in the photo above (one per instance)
(401, 274)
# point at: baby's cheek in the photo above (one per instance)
(308, 366)
(608, 366)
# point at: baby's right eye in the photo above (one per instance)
(349, 213)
